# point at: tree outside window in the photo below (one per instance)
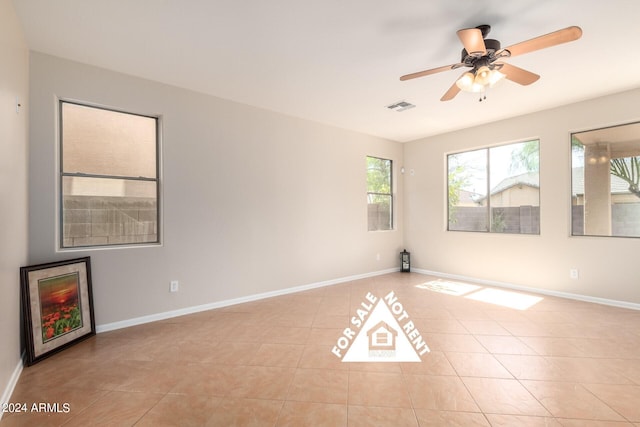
(379, 194)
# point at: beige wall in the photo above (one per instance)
(253, 201)
(13, 187)
(541, 261)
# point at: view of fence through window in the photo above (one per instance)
(379, 194)
(109, 181)
(605, 182)
(495, 189)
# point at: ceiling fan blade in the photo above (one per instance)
(517, 74)
(472, 40)
(429, 72)
(451, 93)
(453, 90)
(565, 35)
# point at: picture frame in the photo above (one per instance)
(57, 306)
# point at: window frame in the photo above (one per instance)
(617, 127)
(390, 195)
(61, 174)
(487, 149)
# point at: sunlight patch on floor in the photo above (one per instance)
(449, 288)
(510, 299)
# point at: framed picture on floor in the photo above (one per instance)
(57, 306)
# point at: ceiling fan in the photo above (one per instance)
(484, 57)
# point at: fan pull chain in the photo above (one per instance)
(483, 96)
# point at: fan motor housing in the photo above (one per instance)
(491, 46)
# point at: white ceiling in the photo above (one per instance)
(339, 61)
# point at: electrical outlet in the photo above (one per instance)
(174, 286)
(573, 273)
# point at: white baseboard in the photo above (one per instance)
(219, 304)
(11, 385)
(567, 295)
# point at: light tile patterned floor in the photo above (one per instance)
(269, 362)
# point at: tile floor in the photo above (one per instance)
(556, 363)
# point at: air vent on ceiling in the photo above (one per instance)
(400, 106)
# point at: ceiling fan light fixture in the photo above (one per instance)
(482, 75)
(466, 81)
(496, 77)
(477, 82)
(477, 88)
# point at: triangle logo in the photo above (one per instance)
(382, 339)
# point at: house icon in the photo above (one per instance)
(382, 337)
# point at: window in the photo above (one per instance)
(108, 177)
(495, 189)
(605, 182)
(379, 194)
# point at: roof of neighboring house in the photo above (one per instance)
(530, 179)
(618, 186)
(467, 196)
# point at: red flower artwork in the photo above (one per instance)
(59, 306)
